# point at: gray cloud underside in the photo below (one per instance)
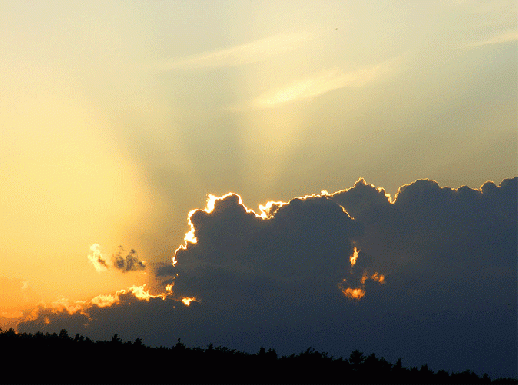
(448, 256)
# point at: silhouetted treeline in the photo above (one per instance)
(60, 358)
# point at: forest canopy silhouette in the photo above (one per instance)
(60, 358)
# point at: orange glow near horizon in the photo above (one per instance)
(64, 305)
(15, 314)
(105, 300)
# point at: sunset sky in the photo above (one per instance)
(118, 118)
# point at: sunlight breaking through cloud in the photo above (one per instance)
(359, 292)
(187, 300)
(354, 256)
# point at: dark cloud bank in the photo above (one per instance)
(436, 273)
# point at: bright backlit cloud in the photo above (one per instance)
(121, 261)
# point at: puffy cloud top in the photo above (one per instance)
(308, 238)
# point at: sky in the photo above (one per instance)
(289, 174)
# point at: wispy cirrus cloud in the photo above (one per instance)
(325, 81)
(505, 37)
(252, 52)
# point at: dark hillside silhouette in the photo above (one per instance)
(60, 358)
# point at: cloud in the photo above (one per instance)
(104, 311)
(130, 262)
(97, 259)
(323, 82)
(506, 37)
(252, 52)
(429, 276)
(441, 228)
(305, 240)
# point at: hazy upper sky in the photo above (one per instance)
(118, 117)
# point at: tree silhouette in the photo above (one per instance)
(356, 359)
(122, 362)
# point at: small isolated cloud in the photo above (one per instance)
(252, 52)
(119, 261)
(128, 262)
(97, 259)
(323, 82)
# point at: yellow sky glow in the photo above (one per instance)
(118, 118)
